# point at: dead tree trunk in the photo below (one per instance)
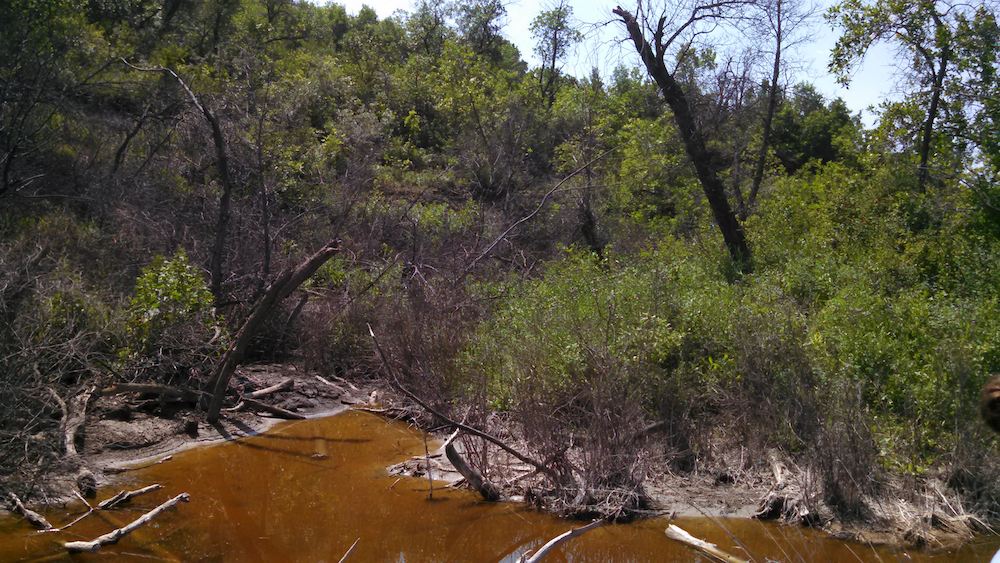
(694, 144)
(222, 161)
(772, 104)
(475, 479)
(282, 287)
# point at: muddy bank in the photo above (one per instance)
(128, 430)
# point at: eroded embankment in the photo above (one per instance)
(126, 430)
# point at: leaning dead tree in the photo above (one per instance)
(222, 162)
(282, 287)
(653, 54)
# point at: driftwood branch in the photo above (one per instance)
(283, 386)
(114, 470)
(554, 542)
(353, 545)
(34, 518)
(114, 536)
(282, 287)
(456, 424)
(276, 411)
(150, 389)
(126, 496)
(679, 534)
(90, 510)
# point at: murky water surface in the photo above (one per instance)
(307, 490)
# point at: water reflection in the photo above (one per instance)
(309, 489)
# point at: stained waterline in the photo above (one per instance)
(307, 490)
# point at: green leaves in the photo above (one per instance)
(170, 296)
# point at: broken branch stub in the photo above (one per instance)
(34, 518)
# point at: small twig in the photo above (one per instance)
(344, 558)
(427, 462)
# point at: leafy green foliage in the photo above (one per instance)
(424, 143)
(172, 307)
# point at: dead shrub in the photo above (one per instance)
(845, 455)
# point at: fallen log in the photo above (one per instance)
(283, 386)
(554, 542)
(282, 287)
(125, 496)
(33, 518)
(276, 411)
(488, 490)
(329, 383)
(150, 389)
(677, 533)
(114, 536)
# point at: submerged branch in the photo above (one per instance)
(114, 536)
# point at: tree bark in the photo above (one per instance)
(694, 142)
(282, 287)
(475, 479)
(923, 174)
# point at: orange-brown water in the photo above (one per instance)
(307, 490)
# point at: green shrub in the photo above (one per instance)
(172, 322)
